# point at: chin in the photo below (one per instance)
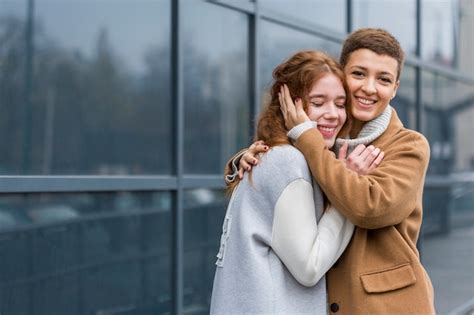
(329, 143)
(363, 116)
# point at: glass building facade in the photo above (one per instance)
(116, 119)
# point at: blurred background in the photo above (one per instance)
(117, 116)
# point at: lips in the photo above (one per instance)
(327, 132)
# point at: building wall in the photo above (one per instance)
(117, 119)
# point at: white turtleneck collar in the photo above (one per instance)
(369, 132)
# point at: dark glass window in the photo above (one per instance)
(405, 101)
(281, 42)
(439, 29)
(397, 17)
(216, 86)
(85, 253)
(448, 127)
(204, 211)
(326, 13)
(86, 97)
(448, 198)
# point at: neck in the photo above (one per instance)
(356, 128)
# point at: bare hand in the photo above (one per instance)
(250, 157)
(293, 115)
(363, 160)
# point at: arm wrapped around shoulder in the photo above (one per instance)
(383, 198)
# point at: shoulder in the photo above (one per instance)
(285, 162)
(415, 139)
(398, 135)
(285, 153)
(407, 142)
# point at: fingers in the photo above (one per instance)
(250, 157)
(241, 172)
(364, 160)
(367, 152)
(376, 162)
(290, 107)
(370, 154)
(357, 151)
(282, 104)
(299, 106)
(256, 148)
(243, 164)
(343, 151)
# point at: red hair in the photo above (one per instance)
(299, 72)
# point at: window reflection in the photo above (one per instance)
(448, 198)
(281, 42)
(326, 13)
(85, 253)
(373, 13)
(203, 216)
(216, 95)
(405, 101)
(86, 98)
(448, 108)
(438, 29)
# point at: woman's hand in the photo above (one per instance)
(249, 158)
(363, 160)
(293, 113)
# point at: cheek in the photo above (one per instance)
(342, 116)
(352, 85)
(313, 113)
(386, 94)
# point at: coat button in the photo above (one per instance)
(334, 307)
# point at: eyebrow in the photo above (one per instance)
(382, 72)
(323, 96)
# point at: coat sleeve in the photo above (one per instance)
(385, 197)
(307, 249)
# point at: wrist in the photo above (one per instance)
(299, 129)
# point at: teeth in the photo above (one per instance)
(365, 101)
(327, 129)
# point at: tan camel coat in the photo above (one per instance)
(380, 271)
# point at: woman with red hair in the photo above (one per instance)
(280, 236)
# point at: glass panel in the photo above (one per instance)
(80, 253)
(88, 98)
(464, 42)
(405, 101)
(375, 13)
(439, 24)
(281, 42)
(448, 199)
(450, 112)
(325, 13)
(204, 212)
(436, 125)
(216, 89)
(447, 250)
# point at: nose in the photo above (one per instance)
(369, 86)
(331, 112)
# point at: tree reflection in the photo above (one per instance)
(89, 114)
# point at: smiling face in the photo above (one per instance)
(372, 82)
(327, 106)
